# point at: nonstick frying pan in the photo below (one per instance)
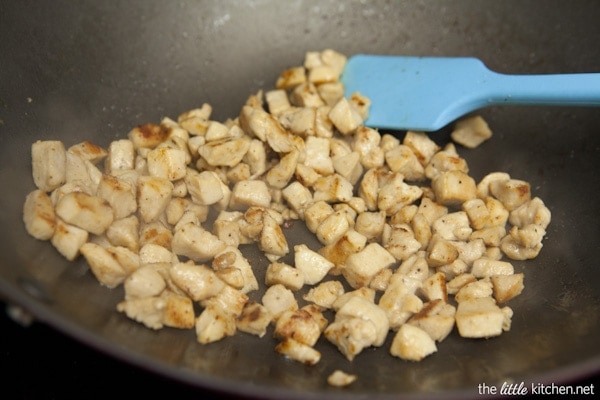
(91, 70)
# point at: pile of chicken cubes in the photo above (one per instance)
(411, 245)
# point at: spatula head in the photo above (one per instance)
(416, 93)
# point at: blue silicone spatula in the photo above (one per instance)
(427, 93)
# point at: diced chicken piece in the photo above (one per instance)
(358, 324)
(322, 74)
(68, 239)
(483, 187)
(306, 95)
(146, 281)
(121, 156)
(298, 197)
(250, 193)
(445, 160)
(434, 287)
(49, 163)
(178, 312)
(229, 301)
(363, 265)
(124, 232)
(484, 267)
(225, 152)
(421, 230)
(213, 325)
(345, 117)
(351, 242)
(157, 233)
(453, 188)
(285, 274)
(528, 236)
(256, 157)
(431, 210)
(332, 228)
(351, 335)
(153, 253)
(198, 281)
(414, 267)
(325, 293)
(254, 319)
(366, 143)
(302, 121)
(370, 224)
(436, 318)
(423, 147)
(381, 280)
(228, 230)
(167, 163)
(147, 310)
(459, 281)
(399, 240)
(477, 212)
(490, 236)
(339, 378)
(453, 269)
(103, 265)
(493, 253)
(402, 159)
(231, 276)
(333, 189)
(523, 244)
(532, 212)
(399, 301)
(38, 215)
(279, 299)
(479, 318)
(291, 78)
(412, 343)
(452, 226)
(81, 172)
(470, 251)
(331, 92)
(298, 351)
(328, 57)
(277, 101)
(363, 292)
(205, 187)
(316, 213)
(349, 166)
(471, 131)
(474, 290)
(441, 252)
(153, 196)
(272, 241)
(512, 193)
(280, 174)
(396, 194)
(148, 135)
(87, 212)
(193, 241)
(217, 131)
(360, 103)
(129, 260)
(317, 155)
(368, 189)
(235, 259)
(498, 213)
(298, 325)
(507, 287)
(196, 120)
(88, 151)
(313, 266)
(119, 193)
